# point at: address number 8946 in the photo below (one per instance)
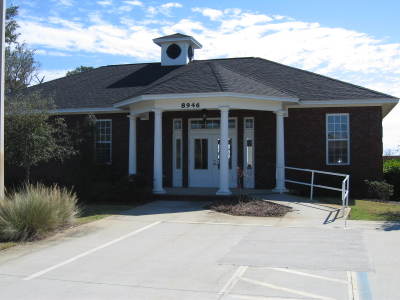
(190, 105)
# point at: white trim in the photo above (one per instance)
(299, 104)
(349, 101)
(161, 40)
(86, 110)
(327, 139)
(201, 95)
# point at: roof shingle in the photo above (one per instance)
(105, 86)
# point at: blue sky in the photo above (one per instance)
(356, 41)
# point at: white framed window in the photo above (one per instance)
(177, 152)
(210, 124)
(337, 139)
(248, 153)
(103, 141)
(249, 123)
(177, 124)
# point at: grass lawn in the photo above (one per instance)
(5, 245)
(89, 213)
(374, 211)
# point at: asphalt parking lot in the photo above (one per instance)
(178, 250)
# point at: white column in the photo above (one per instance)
(280, 152)
(224, 154)
(158, 159)
(132, 144)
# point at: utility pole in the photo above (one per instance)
(2, 61)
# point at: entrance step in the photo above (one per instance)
(208, 194)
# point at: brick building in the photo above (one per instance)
(195, 123)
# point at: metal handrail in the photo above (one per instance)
(344, 188)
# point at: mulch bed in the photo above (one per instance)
(255, 208)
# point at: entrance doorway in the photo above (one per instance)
(204, 153)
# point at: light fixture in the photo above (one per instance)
(204, 116)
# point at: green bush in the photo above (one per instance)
(391, 174)
(379, 189)
(35, 211)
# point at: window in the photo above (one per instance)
(103, 141)
(337, 139)
(178, 151)
(249, 154)
(249, 123)
(177, 124)
(201, 154)
(210, 124)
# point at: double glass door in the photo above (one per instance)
(205, 160)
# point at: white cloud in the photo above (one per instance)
(164, 9)
(171, 5)
(342, 53)
(211, 13)
(64, 2)
(51, 53)
(104, 2)
(134, 3)
(52, 74)
(125, 8)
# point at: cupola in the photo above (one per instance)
(177, 49)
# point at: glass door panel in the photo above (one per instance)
(201, 154)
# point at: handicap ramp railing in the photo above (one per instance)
(344, 189)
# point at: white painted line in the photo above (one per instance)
(281, 288)
(349, 286)
(72, 259)
(354, 286)
(233, 280)
(309, 275)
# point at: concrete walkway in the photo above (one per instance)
(178, 250)
(306, 212)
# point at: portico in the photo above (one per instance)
(220, 148)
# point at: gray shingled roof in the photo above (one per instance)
(105, 86)
(175, 35)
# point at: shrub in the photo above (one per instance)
(35, 211)
(391, 174)
(379, 189)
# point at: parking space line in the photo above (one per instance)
(281, 288)
(309, 275)
(233, 280)
(353, 286)
(72, 259)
